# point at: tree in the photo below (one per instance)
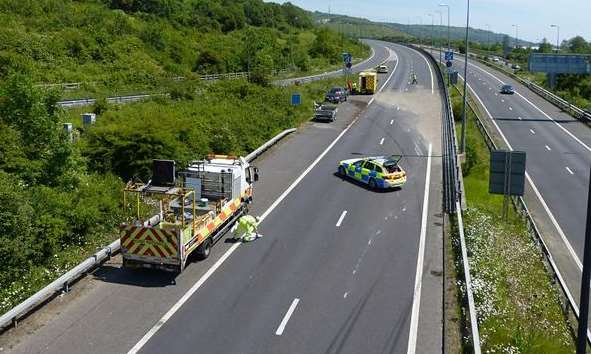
(545, 47)
(578, 45)
(263, 67)
(33, 116)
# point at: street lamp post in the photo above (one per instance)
(448, 37)
(432, 27)
(439, 37)
(557, 37)
(420, 29)
(463, 140)
(488, 36)
(516, 36)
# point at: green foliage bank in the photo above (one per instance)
(60, 200)
(117, 42)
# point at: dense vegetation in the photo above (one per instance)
(60, 199)
(138, 41)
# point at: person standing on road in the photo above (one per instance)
(246, 229)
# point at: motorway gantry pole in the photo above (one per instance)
(448, 26)
(463, 140)
(584, 300)
(432, 27)
(557, 37)
(438, 35)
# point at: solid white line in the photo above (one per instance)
(341, 218)
(382, 141)
(532, 131)
(569, 170)
(181, 301)
(416, 303)
(430, 70)
(235, 246)
(290, 311)
(371, 101)
(538, 109)
(536, 191)
(392, 73)
(392, 122)
(548, 148)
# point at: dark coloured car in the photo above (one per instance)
(507, 90)
(336, 95)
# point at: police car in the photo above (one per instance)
(377, 172)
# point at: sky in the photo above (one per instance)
(533, 17)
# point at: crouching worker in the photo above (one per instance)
(246, 229)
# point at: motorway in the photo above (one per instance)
(557, 146)
(336, 270)
(558, 150)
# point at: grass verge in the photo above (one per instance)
(518, 306)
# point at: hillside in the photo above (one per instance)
(60, 196)
(137, 41)
(456, 33)
(359, 27)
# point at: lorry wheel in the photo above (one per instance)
(372, 183)
(342, 171)
(204, 249)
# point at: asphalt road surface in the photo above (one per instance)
(558, 150)
(336, 268)
(558, 146)
(335, 271)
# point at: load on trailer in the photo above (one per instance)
(174, 217)
(368, 82)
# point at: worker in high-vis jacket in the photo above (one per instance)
(413, 77)
(246, 229)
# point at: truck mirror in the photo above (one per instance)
(256, 174)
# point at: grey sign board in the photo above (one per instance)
(507, 172)
(560, 63)
(453, 76)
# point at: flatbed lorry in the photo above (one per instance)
(174, 218)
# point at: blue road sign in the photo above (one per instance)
(449, 56)
(347, 58)
(296, 99)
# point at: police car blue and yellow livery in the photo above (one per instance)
(376, 172)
